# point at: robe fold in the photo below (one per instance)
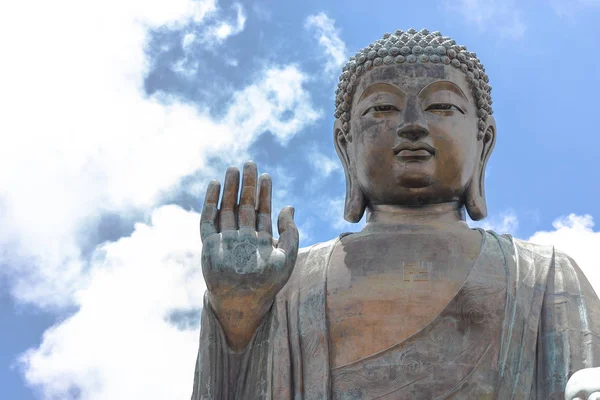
(524, 320)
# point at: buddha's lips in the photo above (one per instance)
(414, 150)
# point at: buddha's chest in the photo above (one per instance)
(383, 291)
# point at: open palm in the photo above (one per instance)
(243, 265)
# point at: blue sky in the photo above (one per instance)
(118, 113)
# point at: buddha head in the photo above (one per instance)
(414, 124)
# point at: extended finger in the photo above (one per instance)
(264, 223)
(247, 208)
(227, 220)
(288, 233)
(208, 218)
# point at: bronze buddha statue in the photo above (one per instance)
(417, 305)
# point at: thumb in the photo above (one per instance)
(288, 233)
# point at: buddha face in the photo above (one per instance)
(414, 135)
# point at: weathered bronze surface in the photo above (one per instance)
(415, 306)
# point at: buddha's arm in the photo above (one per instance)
(226, 374)
(244, 268)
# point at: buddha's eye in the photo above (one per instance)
(441, 107)
(382, 108)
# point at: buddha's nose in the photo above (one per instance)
(414, 125)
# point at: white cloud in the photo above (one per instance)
(502, 16)
(80, 137)
(323, 29)
(264, 106)
(574, 234)
(188, 39)
(120, 343)
(215, 31)
(218, 32)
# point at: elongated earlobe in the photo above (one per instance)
(475, 198)
(475, 194)
(355, 204)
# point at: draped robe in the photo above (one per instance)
(524, 320)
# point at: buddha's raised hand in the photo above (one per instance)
(244, 268)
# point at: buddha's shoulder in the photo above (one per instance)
(524, 247)
(511, 244)
(535, 256)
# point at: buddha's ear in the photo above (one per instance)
(354, 206)
(475, 193)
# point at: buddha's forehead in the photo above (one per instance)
(411, 79)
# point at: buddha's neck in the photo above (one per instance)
(432, 217)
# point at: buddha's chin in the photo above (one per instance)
(415, 178)
(415, 173)
(416, 181)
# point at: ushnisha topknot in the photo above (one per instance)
(412, 47)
